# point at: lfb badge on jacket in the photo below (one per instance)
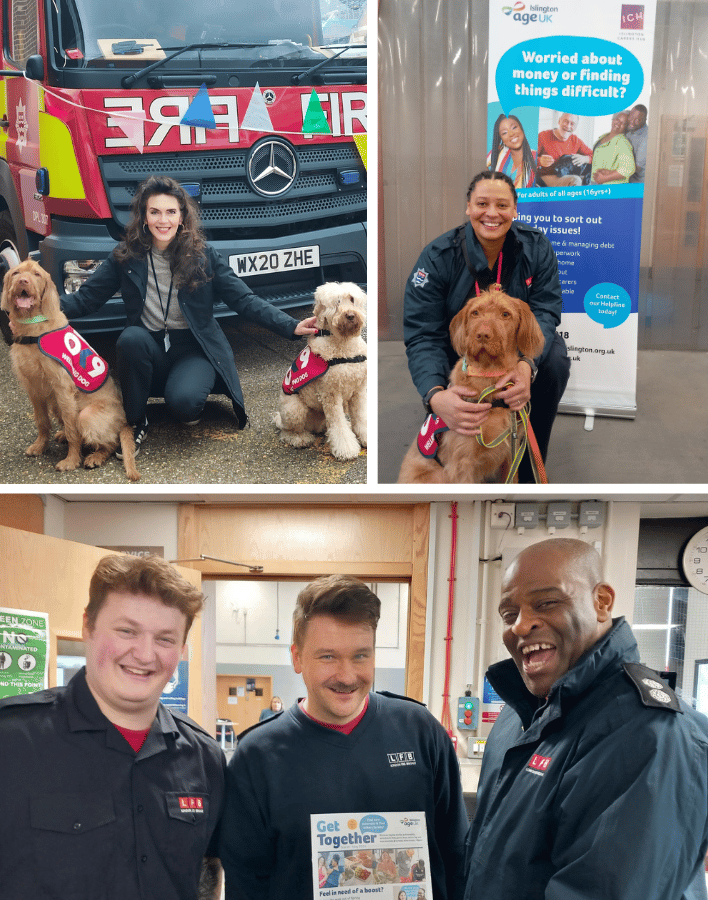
(420, 278)
(538, 764)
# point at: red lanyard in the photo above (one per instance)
(492, 287)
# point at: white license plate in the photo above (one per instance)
(275, 261)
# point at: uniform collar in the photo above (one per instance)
(84, 714)
(601, 660)
(512, 246)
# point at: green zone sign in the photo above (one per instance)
(24, 651)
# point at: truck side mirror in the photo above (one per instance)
(34, 68)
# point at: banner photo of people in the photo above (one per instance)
(382, 855)
(568, 119)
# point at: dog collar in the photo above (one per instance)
(322, 333)
(337, 360)
(479, 374)
(34, 320)
(26, 339)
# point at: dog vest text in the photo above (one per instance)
(428, 436)
(87, 369)
(306, 368)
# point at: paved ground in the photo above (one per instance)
(212, 452)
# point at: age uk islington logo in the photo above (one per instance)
(632, 17)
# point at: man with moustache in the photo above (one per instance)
(106, 793)
(594, 782)
(342, 749)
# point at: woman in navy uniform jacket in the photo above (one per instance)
(490, 248)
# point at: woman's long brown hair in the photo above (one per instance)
(187, 250)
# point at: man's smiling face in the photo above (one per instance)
(132, 651)
(554, 608)
(336, 661)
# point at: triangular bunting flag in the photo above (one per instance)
(257, 117)
(133, 127)
(315, 119)
(360, 141)
(199, 113)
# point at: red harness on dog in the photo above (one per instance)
(66, 346)
(428, 437)
(308, 366)
(305, 369)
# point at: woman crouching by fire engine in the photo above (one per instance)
(170, 278)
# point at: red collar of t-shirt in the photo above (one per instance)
(136, 739)
(348, 727)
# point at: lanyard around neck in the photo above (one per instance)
(492, 287)
(165, 311)
(463, 244)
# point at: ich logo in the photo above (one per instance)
(535, 14)
(632, 17)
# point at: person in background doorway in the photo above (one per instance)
(276, 706)
(594, 781)
(108, 793)
(339, 750)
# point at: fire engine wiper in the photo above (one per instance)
(129, 80)
(298, 79)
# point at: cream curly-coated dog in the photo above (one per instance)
(95, 419)
(327, 382)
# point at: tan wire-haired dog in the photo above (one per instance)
(95, 420)
(488, 334)
(336, 388)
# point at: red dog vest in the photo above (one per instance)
(305, 369)
(88, 370)
(428, 436)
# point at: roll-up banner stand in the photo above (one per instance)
(564, 70)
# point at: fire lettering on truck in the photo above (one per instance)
(166, 114)
(342, 110)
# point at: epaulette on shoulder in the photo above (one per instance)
(195, 726)
(653, 691)
(35, 699)
(400, 697)
(259, 724)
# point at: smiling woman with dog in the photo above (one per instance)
(490, 248)
(170, 278)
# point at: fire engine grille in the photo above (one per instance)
(227, 201)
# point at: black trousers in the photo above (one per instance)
(182, 375)
(546, 393)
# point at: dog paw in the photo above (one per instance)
(344, 446)
(94, 460)
(67, 465)
(297, 438)
(36, 449)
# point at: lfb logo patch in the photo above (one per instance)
(191, 804)
(538, 764)
(420, 278)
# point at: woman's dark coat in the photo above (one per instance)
(197, 307)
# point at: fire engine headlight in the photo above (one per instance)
(76, 271)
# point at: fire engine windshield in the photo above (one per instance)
(133, 34)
